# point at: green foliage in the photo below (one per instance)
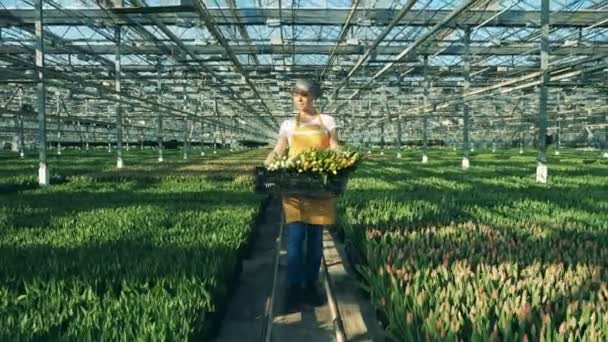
(485, 254)
(116, 256)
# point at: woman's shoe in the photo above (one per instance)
(293, 300)
(312, 295)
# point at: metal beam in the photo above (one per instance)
(341, 37)
(419, 40)
(243, 30)
(186, 15)
(370, 49)
(217, 34)
(141, 102)
(434, 49)
(177, 41)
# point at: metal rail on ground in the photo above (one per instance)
(266, 335)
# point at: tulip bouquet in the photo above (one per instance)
(328, 162)
(313, 171)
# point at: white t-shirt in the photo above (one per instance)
(289, 126)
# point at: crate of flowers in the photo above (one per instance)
(312, 173)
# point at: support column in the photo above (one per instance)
(94, 135)
(215, 130)
(43, 171)
(202, 142)
(234, 133)
(186, 132)
(80, 138)
(541, 168)
(382, 138)
(203, 125)
(186, 124)
(21, 133)
(465, 108)
(494, 131)
(558, 133)
(128, 137)
(605, 154)
(86, 135)
(399, 137)
(558, 130)
(118, 109)
(223, 137)
(159, 118)
(425, 100)
(522, 125)
(59, 125)
(141, 139)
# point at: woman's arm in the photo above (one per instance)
(279, 149)
(333, 140)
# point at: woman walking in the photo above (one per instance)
(305, 216)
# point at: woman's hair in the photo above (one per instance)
(312, 87)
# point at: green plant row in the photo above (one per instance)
(484, 254)
(122, 259)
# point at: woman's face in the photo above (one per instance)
(303, 101)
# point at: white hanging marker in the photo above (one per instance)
(493, 150)
(425, 159)
(214, 152)
(203, 154)
(43, 174)
(398, 155)
(185, 156)
(541, 173)
(119, 163)
(160, 159)
(557, 153)
(21, 154)
(521, 151)
(605, 155)
(58, 152)
(465, 163)
(382, 153)
(369, 152)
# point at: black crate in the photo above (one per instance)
(299, 184)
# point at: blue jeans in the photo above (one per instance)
(303, 269)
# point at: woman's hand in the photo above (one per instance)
(278, 151)
(271, 158)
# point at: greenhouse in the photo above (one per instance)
(303, 170)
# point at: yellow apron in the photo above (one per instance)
(321, 211)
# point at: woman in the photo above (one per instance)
(305, 217)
